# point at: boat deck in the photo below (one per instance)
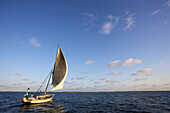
(38, 99)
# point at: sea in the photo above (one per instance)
(115, 102)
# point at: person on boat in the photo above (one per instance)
(31, 95)
(27, 92)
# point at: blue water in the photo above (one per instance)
(124, 102)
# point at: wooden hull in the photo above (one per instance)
(38, 99)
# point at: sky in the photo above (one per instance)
(109, 45)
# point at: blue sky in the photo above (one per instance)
(109, 45)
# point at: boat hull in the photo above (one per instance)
(38, 99)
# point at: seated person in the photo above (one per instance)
(31, 95)
(27, 93)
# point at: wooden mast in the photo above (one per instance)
(47, 84)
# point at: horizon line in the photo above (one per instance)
(94, 91)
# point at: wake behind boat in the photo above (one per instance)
(58, 75)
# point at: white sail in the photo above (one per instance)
(60, 71)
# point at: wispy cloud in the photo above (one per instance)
(114, 73)
(167, 3)
(113, 64)
(96, 82)
(89, 20)
(109, 25)
(72, 78)
(141, 72)
(165, 22)
(34, 42)
(131, 61)
(4, 86)
(77, 71)
(19, 40)
(110, 17)
(139, 79)
(33, 82)
(7, 63)
(155, 12)
(78, 78)
(27, 79)
(17, 84)
(110, 81)
(102, 79)
(89, 62)
(106, 28)
(150, 74)
(130, 21)
(87, 71)
(166, 84)
(161, 62)
(19, 74)
(142, 85)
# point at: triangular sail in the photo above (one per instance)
(60, 71)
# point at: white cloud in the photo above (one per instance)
(167, 3)
(111, 17)
(34, 42)
(131, 61)
(138, 79)
(19, 74)
(113, 64)
(128, 62)
(109, 25)
(89, 20)
(130, 21)
(114, 73)
(89, 62)
(155, 12)
(145, 71)
(106, 28)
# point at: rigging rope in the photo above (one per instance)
(43, 83)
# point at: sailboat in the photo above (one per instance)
(57, 74)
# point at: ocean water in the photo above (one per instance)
(124, 102)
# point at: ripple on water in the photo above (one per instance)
(136, 102)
